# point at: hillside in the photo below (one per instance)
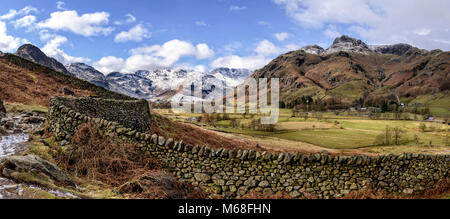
(351, 73)
(23, 81)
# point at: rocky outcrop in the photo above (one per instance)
(34, 54)
(397, 49)
(67, 91)
(88, 73)
(348, 44)
(35, 170)
(313, 49)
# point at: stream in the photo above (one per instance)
(10, 145)
(14, 141)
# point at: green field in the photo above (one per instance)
(333, 131)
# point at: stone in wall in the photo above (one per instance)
(2, 107)
(133, 114)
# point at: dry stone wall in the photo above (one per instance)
(234, 173)
(134, 114)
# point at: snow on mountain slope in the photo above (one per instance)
(153, 84)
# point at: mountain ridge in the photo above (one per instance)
(34, 54)
(355, 73)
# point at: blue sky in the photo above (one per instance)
(203, 34)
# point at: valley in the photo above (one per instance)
(343, 110)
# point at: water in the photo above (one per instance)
(11, 144)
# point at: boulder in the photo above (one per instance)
(35, 170)
(67, 91)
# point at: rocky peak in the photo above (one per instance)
(232, 72)
(34, 54)
(396, 49)
(313, 49)
(348, 44)
(84, 71)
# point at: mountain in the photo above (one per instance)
(348, 44)
(88, 73)
(26, 82)
(232, 77)
(351, 72)
(160, 83)
(34, 54)
(313, 49)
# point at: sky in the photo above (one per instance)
(131, 35)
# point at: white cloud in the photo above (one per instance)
(109, 64)
(421, 23)
(291, 47)
(313, 13)
(267, 48)
(154, 57)
(8, 43)
(60, 5)
(263, 53)
(233, 61)
(45, 35)
(201, 23)
(332, 32)
(203, 51)
(52, 49)
(92, 24)
(232, 47)
(282, 36)
(237, 8)
(13, 13)
(129, 19)
(26, 21)
(137, 34)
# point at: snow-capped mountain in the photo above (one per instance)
(172, 84)
(232, 77)
(88, 73)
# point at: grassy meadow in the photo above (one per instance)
(331, 130)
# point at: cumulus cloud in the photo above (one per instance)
(129, 18)
(421, 23)
(267, 48)
(233, 61)
(90, 24)
(13, 13)
(52, 49)
(137, 34)
(26, 21)
(154, 57)
(8, 43)
(109, 64)
(263, 53)
(282, 36)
